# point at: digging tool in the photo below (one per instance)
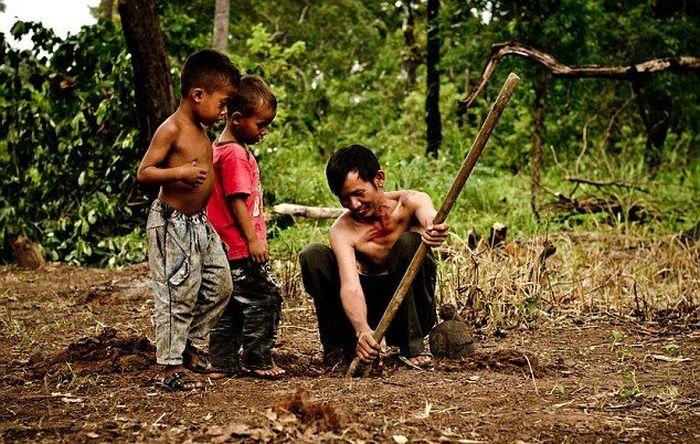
(464, 171)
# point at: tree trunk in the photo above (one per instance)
(26, 252)
(411, 55)
(432, 99)
(153, 85)
(221, 21)
(537, 135)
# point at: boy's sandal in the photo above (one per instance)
(179, 382)
(202, 365)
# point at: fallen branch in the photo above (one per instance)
(603, 183)
(306, 211)
(591, 205)
(557, 69)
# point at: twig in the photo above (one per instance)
(296, 327)
(532, 374)
(398, 384)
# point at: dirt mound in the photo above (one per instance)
(103, 354)
(503, 360)
(319, 415)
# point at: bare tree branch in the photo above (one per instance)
(557, 69)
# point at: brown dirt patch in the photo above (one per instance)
(77, 346)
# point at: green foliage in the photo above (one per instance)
(69, 152)
(68, 121)
(630, 389)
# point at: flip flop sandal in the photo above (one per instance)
(178, 382)
(203, 365)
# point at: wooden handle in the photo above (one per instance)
(464, 171)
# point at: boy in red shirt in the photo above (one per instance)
(236, 211)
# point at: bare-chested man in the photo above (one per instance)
(187, 262)
(371, 246)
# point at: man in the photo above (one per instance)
(371, 246)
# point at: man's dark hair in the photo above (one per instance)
(347, 160)
(251, 91)
(208, 69)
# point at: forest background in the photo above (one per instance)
(356, 71)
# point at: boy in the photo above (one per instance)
(236, 212)
(186, 258)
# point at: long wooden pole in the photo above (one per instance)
(464, 171)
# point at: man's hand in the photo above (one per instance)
(258, 251)
(435, 234)
(367, 348)
(192, 174)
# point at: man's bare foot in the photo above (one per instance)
(328, 359)
(421, 361)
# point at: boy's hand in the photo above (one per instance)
(435, 235)
(258, 251)
(192, 174)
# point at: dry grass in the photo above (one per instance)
(514, 286)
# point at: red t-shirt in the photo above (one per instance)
(235, 173)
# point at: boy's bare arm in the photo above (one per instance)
(256, 246)
(150, 170)
(421, 205)
(351, 295)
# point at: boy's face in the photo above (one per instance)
(251, 129)
(362, 197)
(211, 106)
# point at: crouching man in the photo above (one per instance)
(372, 244)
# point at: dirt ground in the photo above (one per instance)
(78, 366)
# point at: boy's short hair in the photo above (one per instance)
(347, 160)
(251, 91)
(208, 69)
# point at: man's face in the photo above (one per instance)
(361, 197)
(211, 106)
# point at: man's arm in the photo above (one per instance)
(150, 171)
(422, 207)
(351, 295)
(256, 247)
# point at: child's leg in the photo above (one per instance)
(257, 293)
(225, 338)
(175, 285)
(215, 287)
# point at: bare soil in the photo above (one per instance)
(78, 365)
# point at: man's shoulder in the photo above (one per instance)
(407, 197)
(342, 226)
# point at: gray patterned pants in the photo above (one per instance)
(191, 279)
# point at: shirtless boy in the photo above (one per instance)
(371, 246)
(187, 262)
